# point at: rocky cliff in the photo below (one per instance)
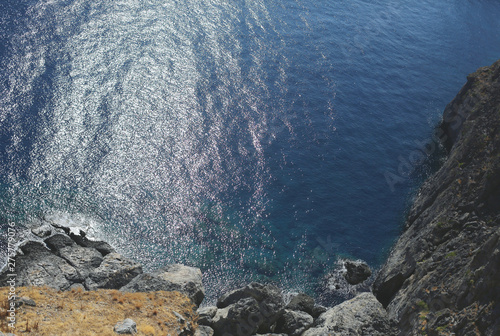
(443, 274)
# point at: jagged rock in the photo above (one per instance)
(268, 297)
(356, 272)
(126, 326)
(42, 231)
(83, 259)
(206, 314)
(101, 246)
(362, 315)
(445, 257)
(318, 310)
(26, 301)
(38, 266)
(204, 331)
(302, 302)
(294, 323)
(242, 318)
(175, 277)
(58, 241)
(114, 272)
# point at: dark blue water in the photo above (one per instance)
(257, 140)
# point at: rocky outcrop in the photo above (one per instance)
(361, 316)
(57, 257)
(174, 277)
(443, 274)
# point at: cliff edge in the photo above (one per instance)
(443, 274)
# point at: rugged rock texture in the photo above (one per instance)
(361, 316)
(174, 277)
(246, 311)
(356, 271)
(64, 260)
(443, 274)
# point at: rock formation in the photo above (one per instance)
(443, 274)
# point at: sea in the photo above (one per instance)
(261, 140)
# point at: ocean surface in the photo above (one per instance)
(258, 140)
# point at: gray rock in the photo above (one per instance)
(301, 302)
(318, 310)
(83, 259)
(356, 272)
(26, 301)
(269, 299)
(294, 323)
(242, 318)
(40, 267)
(42, 231)
(114, 272)
(175, 277)
(361, 316)
(206, 314)
(445, 257)
(204, 331)
(126, 326)
(58, 241)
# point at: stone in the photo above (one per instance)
(362, 315)
(301, 302)
(204, 331)
(268, 297)
(127, 326)
(42, 231)
(294, 323)
(356, 272)
(83, 259)
(206, 314)
(175, 277)
(114, 272)
(58, 241)
(318, 310)
(38, 266)
(445, 257)
(242, 318)
(26, 301)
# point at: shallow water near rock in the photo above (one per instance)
(251, 139)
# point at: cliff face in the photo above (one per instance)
(443, 274)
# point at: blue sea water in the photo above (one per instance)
(257, 140)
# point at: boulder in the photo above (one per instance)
(269, 302)
(294, 323)
(356, 272)
(242, 318)
(206, 314)
(83, 259)
(174, 277)
(362, 315)
(114, 272)
(301, 302)
(38, 266)
(126, 326)
(42, 231)
(58, 241)
(204, 331)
